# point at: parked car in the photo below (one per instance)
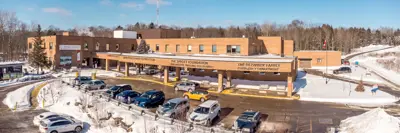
(197, 95)
(205, 113)
(115, 90)
(186, 86)
(345, 62)
(127, 96)
(173, 108)
(94, 85)
(248, 121)
(150, 71)
(151, 98)
(42, 116)
(81, 80)
(342, 70)
(60, 124)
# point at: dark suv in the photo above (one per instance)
(115, 90)
(151, 98)
(342, 70)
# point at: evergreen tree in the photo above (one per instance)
(119, 27)
(37, 56)
(151, 25)
(142, 48)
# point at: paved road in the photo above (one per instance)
(294, 115)
(16, 122)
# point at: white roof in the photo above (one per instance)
(209, 58)
(208, 103)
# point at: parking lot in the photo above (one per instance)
(278, 115)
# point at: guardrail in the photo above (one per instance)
(147, 113)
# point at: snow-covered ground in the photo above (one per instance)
(20, 97)
(373, 121)
(64, 99)
(23, 79)
(88, 72)
(371, 61)
(314, 88)
(357, 73)
(365, 49)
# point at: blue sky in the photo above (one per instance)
(69, 13)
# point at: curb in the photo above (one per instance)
(225, 92)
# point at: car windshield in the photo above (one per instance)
(114, 88)
(246, 117)
(146, 95)
(169, 105)
(202, 110)
(43, 124)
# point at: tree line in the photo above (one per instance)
(307, 36)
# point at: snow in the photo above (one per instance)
(67, 97)
(99, 72)
(373, 121)
(314, 88)
(11, 62)
(23, 79)
(357, 73)
(371, 63)
(366, 49)
(21, 97)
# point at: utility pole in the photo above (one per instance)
(158, 11)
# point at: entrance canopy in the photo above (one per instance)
(244, 63)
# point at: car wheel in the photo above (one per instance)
(78, 129)
(186, 97)
(172, 115)
(53, 132)
(176, 88)
(102, 87)
(202, 99)
(190, 90)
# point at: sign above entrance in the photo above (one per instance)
(70, 47)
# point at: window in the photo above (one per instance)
(319, 60)
(86, 46)
(277, 73)
(214, 71)
(97, 46)
(117, 47)
(166, 47)
(246, 72)
(51, 45)
(177, 48)
(214, 48)
(201, 48)
(107, 47)
(193, 69)
(189, 48)
(44, 45)
(30, 45)
(201, 70)
(157, 47)
(233, 49)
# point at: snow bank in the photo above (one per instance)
(366, 49)
(314, 88)
(21, 97)
(373, 121)
(88, 72)
(357, 73)
(23, 79)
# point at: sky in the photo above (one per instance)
(67, 14)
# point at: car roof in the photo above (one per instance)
(152, 91)
(122, 85)
(249, 112)
(208, 103)
(54, 120)
(177, 100)
(201, 91)
(97, 80)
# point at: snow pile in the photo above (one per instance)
(24, 79)
(357, 73)
(21, 97)
(373, 121)
(88, 72)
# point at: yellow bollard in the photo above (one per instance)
(43, 103)
(94, 75)
(16, 105)
(76, 74)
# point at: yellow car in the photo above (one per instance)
(196, 95)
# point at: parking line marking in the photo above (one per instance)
(310, 125)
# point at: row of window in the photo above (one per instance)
(44, 45)
(244, 72)
(229, 48)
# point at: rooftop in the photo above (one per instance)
(208, 103)
(227, 58)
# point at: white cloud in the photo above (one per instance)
(57, 10)
(105, 2)
(161, 2)
(30, 9)
(132, 5)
